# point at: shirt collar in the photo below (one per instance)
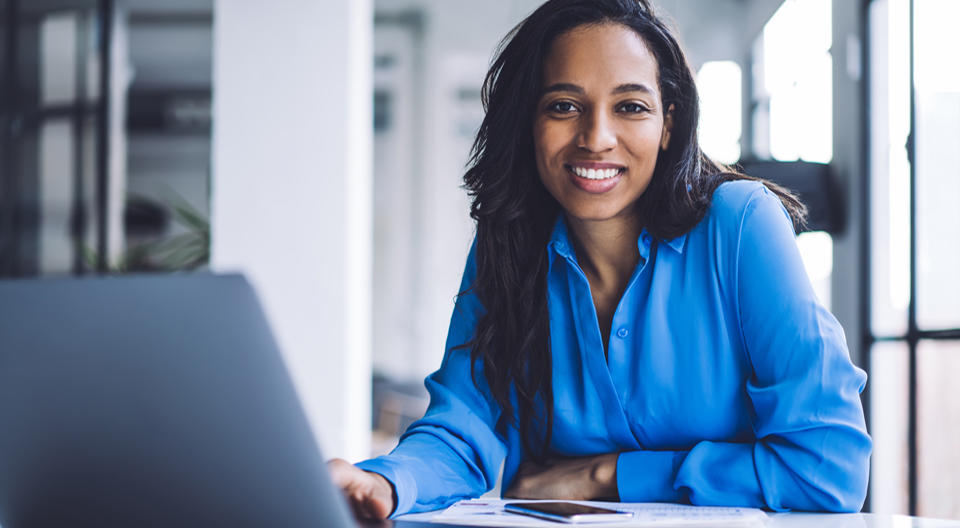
(678, 243)
(561, 245)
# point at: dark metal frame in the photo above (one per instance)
(78, 209)
(105, 8)
(9, 121)
(912, 329)
(865, 331)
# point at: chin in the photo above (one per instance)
(594, 214)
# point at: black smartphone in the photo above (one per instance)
(567, 512)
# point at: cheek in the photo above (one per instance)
(541, 150)
(545, 151)
(548, 140)
(644, 146)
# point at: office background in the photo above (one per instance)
(318, 146)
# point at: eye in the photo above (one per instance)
(561, 107)
(633, 108)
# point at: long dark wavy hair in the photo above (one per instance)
(515, 214)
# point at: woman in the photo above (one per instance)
(635, 322)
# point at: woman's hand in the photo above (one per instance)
(370, 495)
(586, 478)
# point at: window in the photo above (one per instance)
(793, 84)
(915, 229)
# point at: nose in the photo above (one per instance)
(596, 133)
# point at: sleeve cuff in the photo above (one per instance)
(648, 476)
(403, 482)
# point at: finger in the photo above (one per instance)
(366, 508)
(376, 509)
(354, 508)
(358, 503)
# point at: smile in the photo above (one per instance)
(596, 173)
(596, 178)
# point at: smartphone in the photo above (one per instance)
(567, 512)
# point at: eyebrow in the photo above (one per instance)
(623, 88)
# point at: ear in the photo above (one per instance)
(667, 128)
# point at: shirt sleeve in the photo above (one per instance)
(812, 449)
(453, 452)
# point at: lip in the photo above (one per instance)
(595, 186)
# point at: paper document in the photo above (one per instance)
(489, 512)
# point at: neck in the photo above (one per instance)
(607, 250)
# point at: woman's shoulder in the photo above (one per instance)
(735, 195)
(733, 199)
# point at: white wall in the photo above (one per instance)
(291, 191)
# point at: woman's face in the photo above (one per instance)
(599, 124)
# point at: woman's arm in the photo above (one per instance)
(582, 478)
(812, 450)
(453, 452)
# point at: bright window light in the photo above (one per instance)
(798, 78)
(816, 249)
(719, 84)
(890, 166)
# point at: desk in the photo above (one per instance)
(776, 520)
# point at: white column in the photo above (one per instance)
(291, 192)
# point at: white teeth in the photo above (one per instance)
(595, 174)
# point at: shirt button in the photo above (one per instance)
(623, 332)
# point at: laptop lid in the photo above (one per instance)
(151, 401)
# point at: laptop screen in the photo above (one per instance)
(148, 401)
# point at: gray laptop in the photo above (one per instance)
(151, 401)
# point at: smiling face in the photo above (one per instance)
(600, 123)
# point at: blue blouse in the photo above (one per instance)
(725, 381)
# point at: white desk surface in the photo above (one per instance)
(855, 520)
(804, 520)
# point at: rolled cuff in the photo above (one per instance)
(648, 476)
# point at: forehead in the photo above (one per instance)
(600, 53)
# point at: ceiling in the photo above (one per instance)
(167, 35)
(719, 29)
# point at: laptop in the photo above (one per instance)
(152, 401)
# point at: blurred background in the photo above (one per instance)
(318, 146)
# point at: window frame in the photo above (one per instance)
(914, 335)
